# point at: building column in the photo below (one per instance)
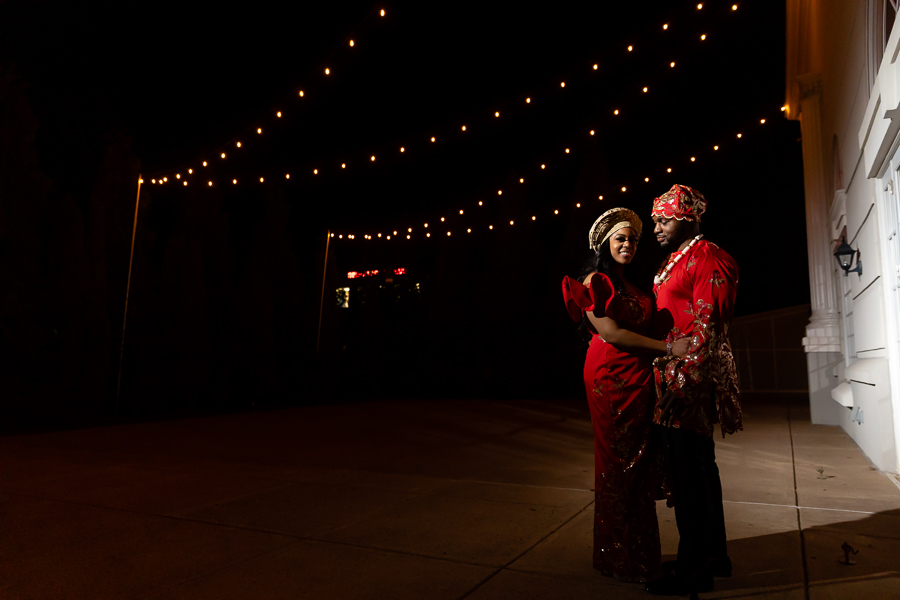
(823, 333)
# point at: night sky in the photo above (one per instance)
(227, 279)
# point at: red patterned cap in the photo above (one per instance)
(681, 202)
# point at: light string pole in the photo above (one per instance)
(137, 204)
(322, 299)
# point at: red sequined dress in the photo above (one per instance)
(619, 388)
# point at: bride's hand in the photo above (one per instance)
(681, 346)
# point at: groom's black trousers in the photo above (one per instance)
(697, 491)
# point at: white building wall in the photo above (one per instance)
(855, 384)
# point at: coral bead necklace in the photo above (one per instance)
(662, 276)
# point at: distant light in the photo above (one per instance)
(543, 166)
(448, 233)
(562, 84)
(533, 218)
(260, 179)
(351, 43)
(426, 224)
(468, 231)
(343, 165)
(734, 7)
(761, 121)
(407, 237)
(499, 192)
(427, 235)
(379, 235)
(238, 144)
(327, 71)
(703, 37)
(165, 179)
(630, 48)
(223, 155)
(783, 108)
(623, 188)
(567, 150)
(739, 135)
(210, 184)
(463, 127)
(442, 219)
(287, 176)
(460, 212)
(259, 130)
(432, 139)
(596, 67)
(490, 226)
(699, 6)
(190, 171)
(665, 25)
(646, 179)
(555, 212)
(204, 163)
(395, 233)
(480, 203)
(177, 175)
(278, 114)
(578, 205)
(340, 237)
(521, 180)
(152, 181)
(409, 230)
(592, 132)
(672, 64)
(373, 159)
(402, 149)
(497, 114)
(332, 235)
(693, 159)
(669, 170)
(527, 100)
(234, 181)
(615, 112)
(512, 222)
(301, 93)
(184, 182)
(382, 12)
(388, 237)
(715, 147)
(315, 171)
(599, 197)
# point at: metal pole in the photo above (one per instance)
(137, 204)
(322, 300)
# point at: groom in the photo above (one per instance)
(697, 286)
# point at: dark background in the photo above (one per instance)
(227, 279)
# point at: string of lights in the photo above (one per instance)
(443, 226)
(191, 175)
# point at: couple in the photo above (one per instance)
(659, 374)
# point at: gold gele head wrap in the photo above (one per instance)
(610, 222)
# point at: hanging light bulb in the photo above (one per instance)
(555, 212)
(623, 188)
(448, 233)
(734, 7)
(480, 203)
(204, 163)
(739, 135)
(177, 175)
(596, 67)
(527, 100)
(645, 90)
(699, 6)
(592, 132)
(301, 93)
(152, 181)
(521, 180)
(630, 48)
(402, 149)
(315, 171)
(490, 226)
(543, 166)
(665, 25)
(761, 121)
(715, 147)
(165, 179)
(190, 171)
(223, 155)
(210, 184)
(460, 212)
(599, 197)
(669, 170)
(184, 182)
(534, 218)
(702, 37)
(287, 176)
(260, 179)
(432, 139)
(234, 181)
(567, 150)
(427, 235)
(426, 225)
(562, 84)
(343, 165)
(351, 45)
(497, 114)
(615, 112)
(327, 71)
(238, 144)
(442, 219)
(278, 114)
(382, 12)
(373, 159)
(672, 64)
(693, 159)
(407, 237)
(578, 205)
(468, 231)
(512, 222)
(259, 130)
(463, 127)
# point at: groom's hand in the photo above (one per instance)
(667, 405)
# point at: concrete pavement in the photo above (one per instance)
(412, 499)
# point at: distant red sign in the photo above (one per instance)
(400, 271)
(358, 274)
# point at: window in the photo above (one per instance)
(882, 15)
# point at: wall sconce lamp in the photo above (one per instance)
(844, 256)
